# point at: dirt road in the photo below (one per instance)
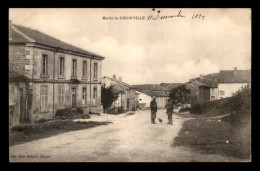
(129, 138)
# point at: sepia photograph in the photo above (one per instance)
(129, 84)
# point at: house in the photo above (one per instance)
(199, 89)
(127, 95)
(17, 99)
(230, 81)
(60, 75)
(147, 91)
(143, 100)
(211, 80)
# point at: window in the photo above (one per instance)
(74, 68)
(95, 70)
(44, 97)
(84, 69)
(222, 93)
(95, 95)
(61, 96)
(84, 96)
(212, 97)
(61, 66)
(44, 65)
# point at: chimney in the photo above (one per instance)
(235, 70)
(114, 76)
(120, 78)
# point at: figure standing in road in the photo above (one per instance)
(153, 106)
(169, 107)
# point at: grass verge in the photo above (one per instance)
(214, 137)
(26, 133)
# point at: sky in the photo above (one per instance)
(142, 51)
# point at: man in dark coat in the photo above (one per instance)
(169, 106)
(153, 106)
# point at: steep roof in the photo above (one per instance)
(210, 79)
(230, 76)
(119, 82)
(145, 86)
(23, 34)
(154, 87)
(199, 83)
(155, 93)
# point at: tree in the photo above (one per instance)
(108, 96)
(180, 94)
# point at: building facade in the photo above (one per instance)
(18, 85)
(127, 97)
(230, 81)
(60, 75)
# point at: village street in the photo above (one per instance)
(129, 138)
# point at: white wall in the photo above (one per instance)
(229, 88)
(213, 92)
(145, 99)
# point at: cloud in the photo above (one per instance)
(142, 52)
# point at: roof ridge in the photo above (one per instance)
(118, 81)
(56, 39)
(22, 34)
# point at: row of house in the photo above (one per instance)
(223, 84)
(205, 88)
(46, 74)
(58, 74)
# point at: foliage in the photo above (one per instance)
(80, 110)
(239, 104)
(197, 109)
(108, 96)
(184, 109)
(241, 100)
(68, 112)
(180, 94)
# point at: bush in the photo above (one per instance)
(42, 121)
(80, 110)
(68, 112)
(197, 109)
(120, 109)
(63, 112)
(185, 109)
(239, 103)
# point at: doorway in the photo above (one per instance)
(128, 103)
(73, 97)
(22, 106)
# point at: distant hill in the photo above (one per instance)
(170, 86)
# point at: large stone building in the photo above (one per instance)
(60, 75)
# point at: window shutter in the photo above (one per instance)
(46, 65)
(42, 64)
(46, 102)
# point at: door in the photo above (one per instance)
(128, 103)
(73, 97)
(21, 105)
